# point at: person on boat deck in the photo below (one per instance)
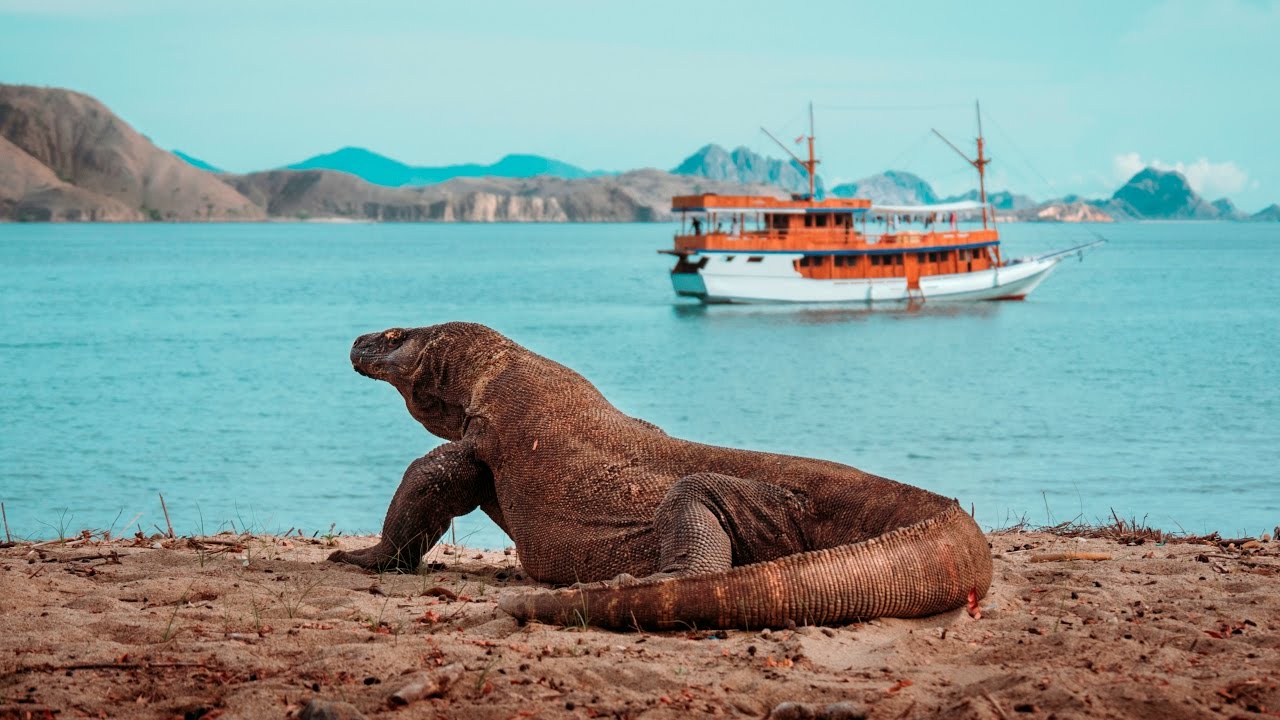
(697, 226)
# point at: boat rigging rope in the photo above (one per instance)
(1006, 140)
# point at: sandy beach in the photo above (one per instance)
(256, 626)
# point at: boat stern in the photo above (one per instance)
(689, 284)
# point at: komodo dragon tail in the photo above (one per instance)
(929, 567)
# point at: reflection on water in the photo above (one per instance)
(829, 313)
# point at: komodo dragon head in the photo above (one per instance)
(435, 368)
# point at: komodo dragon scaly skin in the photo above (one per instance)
(719, 537)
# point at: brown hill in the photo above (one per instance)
(1059, 211)
(638, 196)
(65, 156)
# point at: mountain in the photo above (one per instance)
(196, 162)
(1075, 210)
(1270, 213)
(1154, 194)
(637, 196)
(892, 187)
(382, 170)
(1000, 200)
(744, 166)
(65, 156)
(1227, 210)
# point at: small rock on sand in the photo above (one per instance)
(319, 709)
(812, 711)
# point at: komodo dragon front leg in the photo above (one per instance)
(437, 487)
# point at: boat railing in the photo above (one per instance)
(826, 239)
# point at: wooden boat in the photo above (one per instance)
(751, 249)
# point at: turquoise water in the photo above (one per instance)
(209, 363)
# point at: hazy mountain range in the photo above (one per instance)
(66, 157)
(382, 170)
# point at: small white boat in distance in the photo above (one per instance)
(759, 249)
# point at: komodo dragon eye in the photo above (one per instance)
(393, 337)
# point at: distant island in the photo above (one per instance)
(65, 157)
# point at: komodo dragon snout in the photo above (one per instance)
(382, 355)
(719, 537)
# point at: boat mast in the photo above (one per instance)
(981, 163)
(809, 165)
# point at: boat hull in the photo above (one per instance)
(774, 280)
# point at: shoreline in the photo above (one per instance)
(260, 625)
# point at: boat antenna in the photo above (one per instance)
(811, 164)
(980, 163)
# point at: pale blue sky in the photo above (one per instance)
(1077, 95)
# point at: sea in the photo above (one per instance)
(208, 363)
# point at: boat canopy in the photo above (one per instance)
(936, 209)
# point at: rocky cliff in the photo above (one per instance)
(638, 196)
(65, 156)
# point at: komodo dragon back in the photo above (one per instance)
(938, 564)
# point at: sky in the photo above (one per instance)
(1076, 97)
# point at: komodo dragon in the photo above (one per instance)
(719, 537)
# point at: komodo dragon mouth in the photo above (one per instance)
(370, 354)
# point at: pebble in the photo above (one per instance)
(813, 711)
(319, 709)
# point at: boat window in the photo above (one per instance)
(920, 257)
(728, 258)
(839, 261)
(897, 259)
(820, 221)
(875, 259)
(754, 258)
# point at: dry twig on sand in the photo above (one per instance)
(1058, 557)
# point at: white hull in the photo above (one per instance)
(774, 279)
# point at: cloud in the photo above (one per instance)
(1212, 179)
